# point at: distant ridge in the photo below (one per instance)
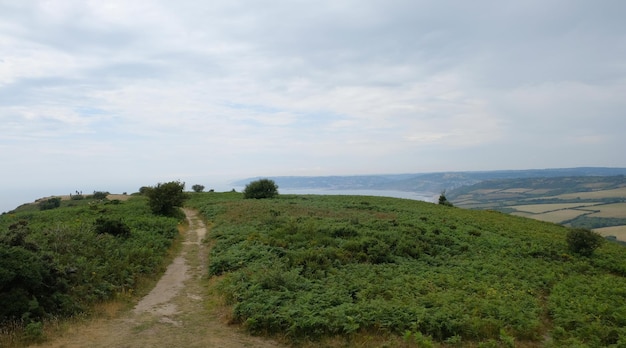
(425, 182)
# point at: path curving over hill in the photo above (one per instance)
(173, 314)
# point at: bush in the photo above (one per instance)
(197, 188)
(583, 241)
(99, 195)
(263, 188)
(163, 199)
(50, 203)
(112, 227)
(444, 201)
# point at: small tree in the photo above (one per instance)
(163, 199)
(583, 241)
(443, 200)
(197, 188)
(263, 188)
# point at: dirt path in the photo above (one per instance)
(173, 314)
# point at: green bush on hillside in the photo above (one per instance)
(165, 198)
(583, 241)
(50, 203)
(263, 188)
(112, 227)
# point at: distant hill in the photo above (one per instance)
(426, 182)
(596, 202)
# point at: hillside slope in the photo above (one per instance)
(367, 269)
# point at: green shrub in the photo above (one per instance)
(99, 195)
(263, 188)
(583, 241)
(112, 227)
(50, 203)
(165, 198)
(197, 188)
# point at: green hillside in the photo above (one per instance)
(332, 270)
(60, 261)
(312, 267)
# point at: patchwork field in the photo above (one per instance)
(589, 202)
(544, 208)
(617, 210)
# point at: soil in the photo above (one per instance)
(178, 312)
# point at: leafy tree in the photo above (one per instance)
(164, 198)
(443, 200)
(197, 188)
(583, 241)
(263, 188)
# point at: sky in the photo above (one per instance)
(114, 95)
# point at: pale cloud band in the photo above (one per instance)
(300, 87)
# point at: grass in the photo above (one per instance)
(73, 271)
(344, 269)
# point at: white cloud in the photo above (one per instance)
(240, 89)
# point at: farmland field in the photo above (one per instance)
(586, 202)
(617, 210)
(543, 208)
(615, 193)
(617, 231)
(559, 216)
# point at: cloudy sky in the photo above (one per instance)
(112, 95)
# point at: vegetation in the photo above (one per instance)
(443, 200)
(319, 267)
(263, 188)
(197, 188)
(166, 198)
(56, 263)
(50, 203)
(583, 242)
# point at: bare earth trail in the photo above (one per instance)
(173, 314)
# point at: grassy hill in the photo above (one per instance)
(60, 261)
(414, 273)
(334, 270)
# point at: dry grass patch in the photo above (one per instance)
(616, 210)
(618, 231)
(544, 208)
(560, 215)
(615, 193)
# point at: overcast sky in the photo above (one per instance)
(116, 94)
